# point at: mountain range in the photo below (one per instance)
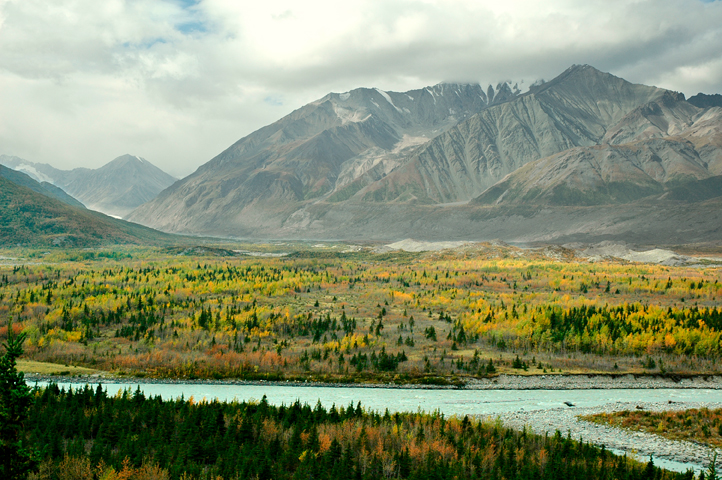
(585, 156)
(114, 189)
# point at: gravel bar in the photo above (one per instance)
(639, 444)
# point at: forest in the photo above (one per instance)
(88, 434)
(358, 316)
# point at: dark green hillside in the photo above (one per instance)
(45, 188)
(696, 191)
(30, 218)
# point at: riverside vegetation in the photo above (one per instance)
(699, 425)
(332, 315)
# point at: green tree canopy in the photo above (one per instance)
(16, 399)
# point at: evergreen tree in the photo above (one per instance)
(712, 469)
(15, 401)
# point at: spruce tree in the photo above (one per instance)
(712, 469)
(15, 401)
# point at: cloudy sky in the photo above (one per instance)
(178, 81)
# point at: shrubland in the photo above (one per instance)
(336, 315)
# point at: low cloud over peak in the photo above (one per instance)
(179, 81)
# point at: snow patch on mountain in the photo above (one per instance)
(388, 98)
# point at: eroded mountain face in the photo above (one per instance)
(661, 146)
(326, 151)
(374, 164)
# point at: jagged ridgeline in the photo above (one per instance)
(460, 161)
(132, 436)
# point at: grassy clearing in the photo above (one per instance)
(703, 425)
(47, 368)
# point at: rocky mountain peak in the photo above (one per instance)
(128, 159)
(702, 100)
(126, 164)
(579, 76)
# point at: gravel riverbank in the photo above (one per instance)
(639, 444)
(592, 382)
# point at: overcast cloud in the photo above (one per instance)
(177, 82)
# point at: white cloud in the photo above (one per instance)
(177, 82)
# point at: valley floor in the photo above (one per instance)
(336, 314)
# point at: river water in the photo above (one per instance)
(447, 401)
